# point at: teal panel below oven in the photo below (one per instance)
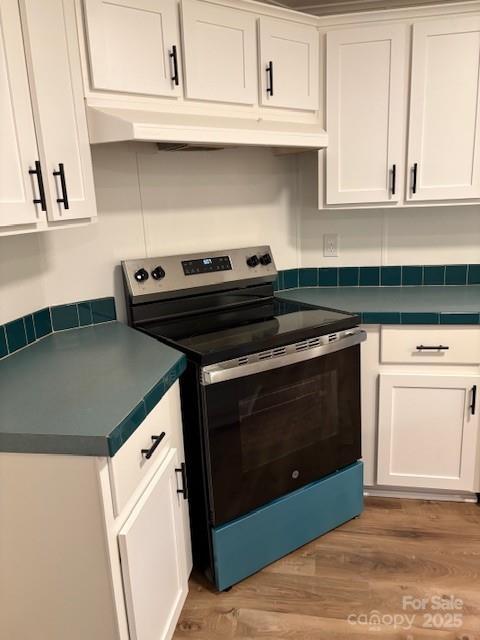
(245, 545)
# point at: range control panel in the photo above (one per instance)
(151, 278)
(206, 265)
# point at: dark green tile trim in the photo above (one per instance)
(308, 277)
(65, 316)
(412, 276)
(456, 274)
(29, 329)
(459, 318)
(369, 276)
(85, 314)
(120, 434)
(16, 336)
(388, 276)
(103, 310)
(34, 326)
(419, 318)
(348, 276)
(328, 277)
(42, 322)
(290, 279)
(433, 275)
(473, 274)
(3, 343)
(391, 276)
(380, 318)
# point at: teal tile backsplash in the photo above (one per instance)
(369, 276)
(16, 335)
(26, 330)
(389, 276)
(64, 317)
(3, 343)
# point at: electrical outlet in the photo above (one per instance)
(330, 245)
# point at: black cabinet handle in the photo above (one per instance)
(414, 177)
(184, 489)
(270, 78)
(438, 347)
(148, 453)
(41, 189)
(63, 184)
(394, 179)
(473, 406)
(173, 57)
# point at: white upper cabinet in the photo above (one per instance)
(152, 551)
(444, 132)
(134, 46)
(220, 53)
(50, 34)
(366, 76)
(288, 64)
(428, 432)
(18, 145)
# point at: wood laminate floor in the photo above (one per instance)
(353, 582)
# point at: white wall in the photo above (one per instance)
(153, 203)
(421, 235)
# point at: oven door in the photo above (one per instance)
(275, 425)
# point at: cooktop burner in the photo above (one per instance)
(264, 325)
(220, 304)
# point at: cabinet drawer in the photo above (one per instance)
(418, 345)
(130, 468)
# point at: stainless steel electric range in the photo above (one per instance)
(270, 401)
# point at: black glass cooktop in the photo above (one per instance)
(224, 334)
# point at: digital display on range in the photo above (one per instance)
(206, 265)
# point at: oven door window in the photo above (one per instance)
(275, 431)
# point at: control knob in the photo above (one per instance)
(252, 261)
(141, 275)
(266, 259)
(158, 273)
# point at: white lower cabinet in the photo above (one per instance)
(94, 557)
(420, 412)
(152, 549)
(428, 431)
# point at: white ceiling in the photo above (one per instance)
(331, 7)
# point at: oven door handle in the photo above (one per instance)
(231, 369)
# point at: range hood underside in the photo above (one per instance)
(111, 124)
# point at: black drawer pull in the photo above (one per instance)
(184, 489)
(438, 347)
(414, 177)
(148, 453)
(173, 57)
(61, 174)
(394, 179)
(270, 78)
(41, 189)
(473, 406)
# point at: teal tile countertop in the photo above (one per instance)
(83, 391)
(397, 305)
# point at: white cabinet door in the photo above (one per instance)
(18, 145)
(444, 131)
(220, 53)
(50, 35)
(152, 551)
(366, 76)
(289, 64)
(428, 432)
(134, 46)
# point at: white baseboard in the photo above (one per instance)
(420, 495)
